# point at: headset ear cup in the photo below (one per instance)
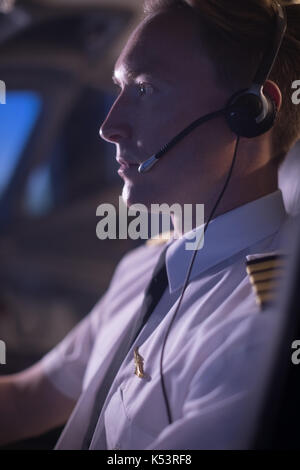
(242, 111)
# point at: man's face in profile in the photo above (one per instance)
(165, 82)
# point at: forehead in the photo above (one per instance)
(163, 45)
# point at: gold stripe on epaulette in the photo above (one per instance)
(265, 298)
(265, 274)
(266, 286)
(163, 238)
(261, 266)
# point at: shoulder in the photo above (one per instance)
(141, 259)
(146, 251)
(160, 240)
(265, 274)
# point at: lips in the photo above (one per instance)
(126, 163)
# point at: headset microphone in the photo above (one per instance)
(148, 164)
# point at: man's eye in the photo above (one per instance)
(144, 88)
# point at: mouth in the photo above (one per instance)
(126, 166)
(124, 162)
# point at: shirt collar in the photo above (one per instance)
(226, 235)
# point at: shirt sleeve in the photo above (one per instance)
(65, 365)
(222, 402)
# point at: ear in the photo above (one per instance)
(271, 89)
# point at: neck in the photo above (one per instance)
(239, 192)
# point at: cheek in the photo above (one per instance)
(158, 121)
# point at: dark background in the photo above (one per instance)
(56, 58)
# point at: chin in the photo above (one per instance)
(139, 194)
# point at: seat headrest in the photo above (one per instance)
(289, 180)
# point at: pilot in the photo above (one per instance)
(168, 357)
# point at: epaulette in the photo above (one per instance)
(163, 238)
(265, 274)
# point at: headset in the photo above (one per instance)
(248, 113)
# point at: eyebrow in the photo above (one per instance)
(132, 74)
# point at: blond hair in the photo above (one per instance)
(236, 34)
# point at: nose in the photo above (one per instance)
(116, 125)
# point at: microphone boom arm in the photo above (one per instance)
(150, 162)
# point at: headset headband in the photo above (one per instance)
(269, 58)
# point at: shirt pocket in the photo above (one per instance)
(122, 433)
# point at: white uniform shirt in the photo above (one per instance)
(211, 354)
